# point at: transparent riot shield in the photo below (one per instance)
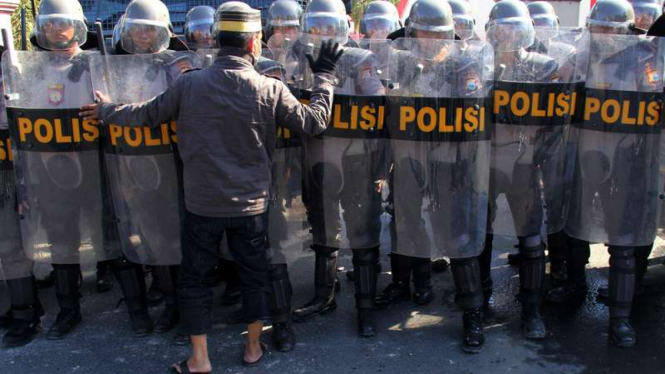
(616, 184)
(207, 57)
(12, 255)
(381, 49)
(438, 126)
(537, 96)
(56, 158)
(343, 167)
(143, 166)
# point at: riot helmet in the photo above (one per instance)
(431, 19)
(611, 17)
(284, 19)
(198, 27)
(463, 19)
(646, 12)
(325, 20)
(543, 14)
(510, 27)
(146, 27)
(115, 37)
(60, 25)
(379, 19)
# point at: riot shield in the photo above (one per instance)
(438, 126)
(287, 232)
(57, 158)
(381, 50)
(343, 166)
(280, 46)
(536, 98)
(616, 184)
(144, 169)
(11, 251)
(207, 57)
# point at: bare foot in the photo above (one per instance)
(194, 367)
(253, 353)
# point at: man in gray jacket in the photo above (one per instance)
(227, 115)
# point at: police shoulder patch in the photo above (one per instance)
(651, 73)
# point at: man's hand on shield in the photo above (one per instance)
(91, 111)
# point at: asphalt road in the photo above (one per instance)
(411, 339)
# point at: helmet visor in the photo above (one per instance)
(60, 31)
(464, 26)
(510, 34)
(646, 14)
(199, 33)
(546, 21)
(322, 26)
(142, 36)
(378, 26)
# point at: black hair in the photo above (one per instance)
(234, 39)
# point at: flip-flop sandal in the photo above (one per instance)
(184, 369)
(264, 350)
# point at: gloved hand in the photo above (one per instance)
(330, 53)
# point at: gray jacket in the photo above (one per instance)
(227, 115)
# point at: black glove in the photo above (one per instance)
(330, 53)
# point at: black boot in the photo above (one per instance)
(474, 338)
(67, 285)
(365, 262)
(231, 294)
(105, 280)
(167, 278)
(6, 319)
(485, 261)
(132, 283)
(621, 292)
(576, 286)
(532, 273)
(469, 296)
(399, 289)
(26, 311)
(283, 336)
(422, 280)
(325, 272)
(514, 259)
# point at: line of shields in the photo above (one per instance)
(450, 128)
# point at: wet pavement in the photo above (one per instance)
(410, 339)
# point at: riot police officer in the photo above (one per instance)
(146, 29)
(426, 18)
(198, 27)
(341, 173)
(517, 151)
(445, 174)
(615, 187)
(545, 20)
(22, 320)
(62, 197)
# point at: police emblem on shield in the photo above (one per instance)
(56, 94)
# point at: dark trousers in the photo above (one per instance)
(201, 239)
